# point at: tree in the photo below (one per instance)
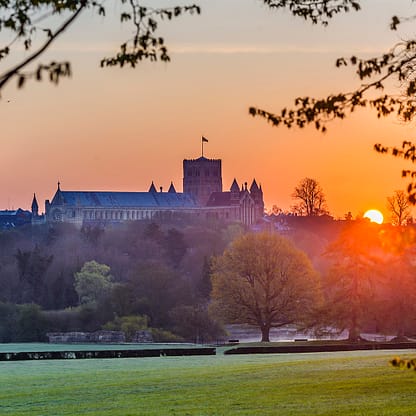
(311, 197)
(92, 282)
(32, 266)
(204, 285)
(399, 302)
(30, 324)
(157, 289)
(175, 246)
(350, 285)
(399, 206)
(194, 323)
(263, 280)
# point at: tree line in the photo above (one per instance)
(365, 282)
(186, 282)
(81, 280)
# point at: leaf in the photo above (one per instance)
(20, 81)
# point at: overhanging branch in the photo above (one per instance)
(7, 76)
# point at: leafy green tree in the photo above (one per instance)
(263, 280)
(92, 282)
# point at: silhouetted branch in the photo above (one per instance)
(317, 11)
(5, 78)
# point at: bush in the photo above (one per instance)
(31, 324)
(161, 335)
(127, 324)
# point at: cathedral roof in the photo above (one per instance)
(57, 199)
(254, 186)
(234, 186)
(172, 188)
(152, 188)
(220, 199)
(126, 199)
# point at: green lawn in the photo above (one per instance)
(353, 383)
(31, 347)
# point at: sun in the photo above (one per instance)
(374, 215)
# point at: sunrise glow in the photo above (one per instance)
(127, 128)
(374, 215)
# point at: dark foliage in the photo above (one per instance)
(153, 273)
(27, 21)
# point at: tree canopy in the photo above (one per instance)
(263, 280)
(92, 281)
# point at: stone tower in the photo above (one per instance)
(257, 195)
(202, 177)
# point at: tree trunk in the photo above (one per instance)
(400, 337)
(354, 335)
(265, 331)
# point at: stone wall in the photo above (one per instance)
(105, 337)
(142, 337)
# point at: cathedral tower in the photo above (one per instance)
(202, 177)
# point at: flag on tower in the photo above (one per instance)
(204, 139)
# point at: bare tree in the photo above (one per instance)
(311, 198)
(399, 207)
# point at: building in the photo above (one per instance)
(202, 197)
(14, 218)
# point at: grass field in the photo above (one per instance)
(353, 383)
(32, 347)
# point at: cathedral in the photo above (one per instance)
(202, 196)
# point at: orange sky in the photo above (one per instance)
(118, 129)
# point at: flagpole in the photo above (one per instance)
(203, 139)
